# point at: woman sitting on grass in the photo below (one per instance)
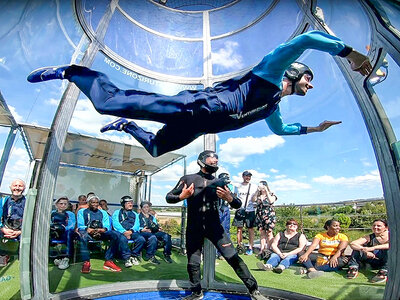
(286, 245)
(331, 247)
(371, 249)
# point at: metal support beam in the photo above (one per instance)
(7, 151)
(49, 170)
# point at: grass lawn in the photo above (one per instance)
(332, 286)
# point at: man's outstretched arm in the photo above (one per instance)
(277, 126)
(274, 64)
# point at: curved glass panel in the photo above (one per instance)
(154, 52)
(228, 53)
(348, 21)
(389, 12)
(385, 78)
(163, 20)
(241, 14)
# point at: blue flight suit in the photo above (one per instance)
(124, 220)
(229, 105)
(117, 245)
(68, 220)
(160, 235)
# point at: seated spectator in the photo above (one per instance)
(286, 245)
(371, 249)
(126, 221)
(82, 203)
(331, 247)
(62, 227)
(104, 206)
(11, 215)
(149, 225)
(94, 225)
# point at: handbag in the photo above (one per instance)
(240, 213)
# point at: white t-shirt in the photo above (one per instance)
(241, 191)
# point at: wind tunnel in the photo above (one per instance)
(168, 46)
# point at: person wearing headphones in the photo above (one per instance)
(126, 221)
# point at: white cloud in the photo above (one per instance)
(52, 102)
(228, 57)
(235, 150)
(273, 170)
(280, 176)
(288, 185)
(17, 167)
(371, 178)
(16, 116)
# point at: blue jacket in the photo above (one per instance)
(12, 209)
(124, 220)
(71, 220)
(85, 216)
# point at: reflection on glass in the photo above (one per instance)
(241, 50)
(389, 11)
(347, 20)
(383, 87)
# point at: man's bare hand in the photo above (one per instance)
(326, 124)
(187, 191)
(224, 193)
(359, 62)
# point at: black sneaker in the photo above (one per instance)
(380, 277)
(168, 259)
(194, 296)
(153, 260)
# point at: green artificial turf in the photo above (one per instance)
(331, 286)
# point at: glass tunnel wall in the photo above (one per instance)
(336, 165)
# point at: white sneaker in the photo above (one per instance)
(128, 263)
(134, 261)
(64, 264)
(57, 261)
(265, 267)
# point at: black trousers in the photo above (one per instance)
(217, 235)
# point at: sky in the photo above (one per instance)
(336, 165)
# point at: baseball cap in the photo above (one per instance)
(247, 173)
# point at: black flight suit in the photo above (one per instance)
(203, 222)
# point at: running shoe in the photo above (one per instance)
(256, 295)
(64, 263)
(265, 267)
(352, 273)
(279, 269)
(117, 124)
(86, 267)
(249, 252)
(135, 261)
(47, 73)
(380, 277)
(168, 259)
(110, 265)
(153, 260)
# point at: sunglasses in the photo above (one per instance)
(288, 224)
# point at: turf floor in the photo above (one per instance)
(331, 286)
